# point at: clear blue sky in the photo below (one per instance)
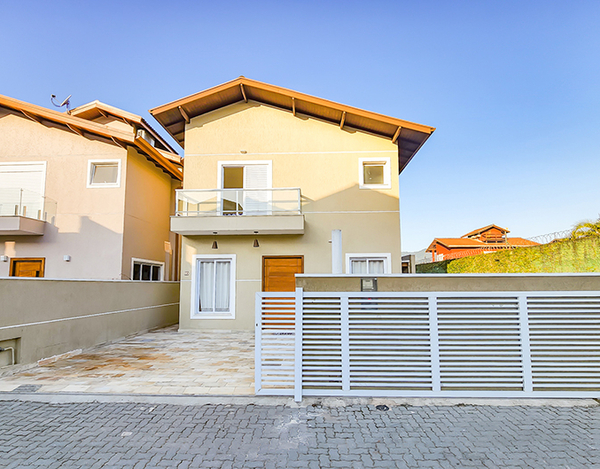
(513, 87)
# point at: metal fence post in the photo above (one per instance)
(525, 345)
(436, 375)
(257, 342)
(345, 343)
(298, 347)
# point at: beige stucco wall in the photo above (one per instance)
(149, 201)
(316, 156)
(89, 221)
(456, 282)
(49, 317)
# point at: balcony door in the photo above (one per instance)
(246, 188)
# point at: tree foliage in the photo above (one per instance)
(586, 229)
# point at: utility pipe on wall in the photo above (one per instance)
(337, 264)
(5, 349)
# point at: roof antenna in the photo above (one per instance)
(66, 102)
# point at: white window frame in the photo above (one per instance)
(222, 164)
(154, 263)
(387, 173)
(386, 257)
(194, 313)
(89, 174)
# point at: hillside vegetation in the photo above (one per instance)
(569, 255)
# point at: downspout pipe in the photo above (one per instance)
(337, 263)
(5, 349)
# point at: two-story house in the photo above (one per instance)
(85, 194)
(269, 175)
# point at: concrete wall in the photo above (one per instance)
(89, 222)
(149, 201)
(456, 282)
(48, 317)
(308, 153)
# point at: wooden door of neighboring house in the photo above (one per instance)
(27, 267)
(279, 272)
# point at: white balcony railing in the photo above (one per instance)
(238, 202)
(25, 203)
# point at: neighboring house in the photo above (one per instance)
(85, 194)
(490, 238)
(269, 174)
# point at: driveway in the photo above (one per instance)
(143, 436)
(164, 361)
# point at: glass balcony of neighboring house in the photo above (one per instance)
(238, 211)
(23, 212)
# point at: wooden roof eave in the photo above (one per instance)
(64, 119)
(156, 155)
(296, 99)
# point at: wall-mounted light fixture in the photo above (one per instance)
(67, 258)
(255, 244)
(3, 258)
(215, 245)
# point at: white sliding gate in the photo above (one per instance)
(443, 344)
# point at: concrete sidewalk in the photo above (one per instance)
(160, 362)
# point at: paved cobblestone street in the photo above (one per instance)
(122, 435)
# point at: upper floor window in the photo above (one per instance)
(104, 173)
(374, 173)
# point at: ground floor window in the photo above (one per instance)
(147, 270)
(213, 279)
(369, 263)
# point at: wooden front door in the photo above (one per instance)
(27, 267)
(279, 272)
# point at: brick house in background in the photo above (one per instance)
(490, 238)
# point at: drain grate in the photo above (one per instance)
(27, 388)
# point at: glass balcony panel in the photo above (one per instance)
(238, 202)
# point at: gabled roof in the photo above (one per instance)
(82, 126)
(477, 244)
(485, 228)
(173, 116)
(97, 109)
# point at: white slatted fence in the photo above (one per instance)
(443, 344)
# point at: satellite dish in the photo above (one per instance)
(66, 102)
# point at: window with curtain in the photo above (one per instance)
(368, 265)
(214, 285)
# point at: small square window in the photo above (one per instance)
(104, 173)
(374, 173)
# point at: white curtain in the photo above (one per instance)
(376, 266)
(359, 267)
(215, 285)
(222, 286)
(207, 285)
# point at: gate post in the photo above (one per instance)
(525, 345)
(298, 347)
(257, 343)
(434, 334)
